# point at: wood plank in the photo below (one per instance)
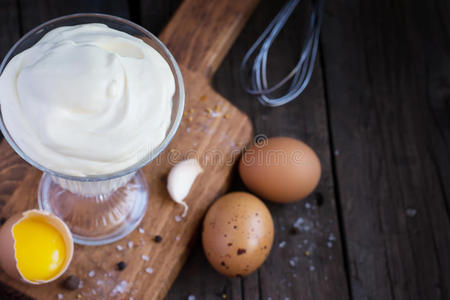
(153, 14)
(386, 65)
(34, 13)
(203, 134)
(9, 26)
(305, 118)
(9, 33)
(9, 29)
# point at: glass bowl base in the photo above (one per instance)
(99, 219)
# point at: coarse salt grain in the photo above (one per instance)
(411, 212)
(331, 237)
(191, 297)
(145, 258)
(149, 270)
(178, 218)
(282, 244)
(303, 224)
(119, 248)
(141, 230)
(91, 273)
(130, 244)
(214, 114)
(60, 296)
(120, 288)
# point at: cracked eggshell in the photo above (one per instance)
(8, 260)
(237, 234)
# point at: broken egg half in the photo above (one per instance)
(35, 246)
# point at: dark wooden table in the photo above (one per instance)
(377, 111)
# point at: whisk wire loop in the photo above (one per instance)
(299, 76)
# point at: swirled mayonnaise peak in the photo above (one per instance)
(87, 100)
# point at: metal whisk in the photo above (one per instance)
(299, 76)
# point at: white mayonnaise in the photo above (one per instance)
(87, 100)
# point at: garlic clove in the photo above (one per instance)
(181, 179)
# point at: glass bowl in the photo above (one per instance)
(99, 209)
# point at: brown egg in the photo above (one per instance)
(280, 169)
(237, 234)
(10, 254)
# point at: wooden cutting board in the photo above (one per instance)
(199, 35)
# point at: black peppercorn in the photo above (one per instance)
(71, 283)
(121, 266)
(158, 239)
(294, 230)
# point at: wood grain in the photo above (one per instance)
(212, 130)
(388, 95)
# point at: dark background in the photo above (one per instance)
(377, 113)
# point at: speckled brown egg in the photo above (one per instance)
(237, 234)
(280, 169)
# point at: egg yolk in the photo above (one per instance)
(40, 249)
